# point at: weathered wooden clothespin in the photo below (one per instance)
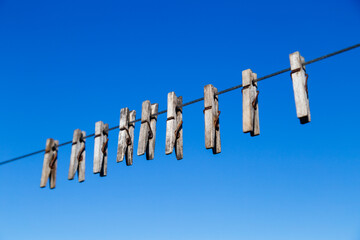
(250, 103)
(50, 163)
(211, 117)
(126, 136)
(77, 158)
(300, 86)
(148, 129)
(101, 148)
(174, 131)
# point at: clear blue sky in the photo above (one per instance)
(67, 64)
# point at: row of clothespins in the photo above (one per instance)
(174, 131)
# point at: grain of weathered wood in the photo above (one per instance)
(49, 170)
(100, 148)
(150, 151)
(77, 153)
(299, 87)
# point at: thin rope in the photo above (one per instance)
(199, 99)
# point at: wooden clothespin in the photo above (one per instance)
(211, 117)
(77, 158)
(101, 148)
(50, 163)
(174, 131)
(250, 103)
(300, 86)
(126, 136)
(148, 129)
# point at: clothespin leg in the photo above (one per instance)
(130, 148)
(103, 170)
(248, 110)
(100, 148)
(209, 116)
(99, 126)
(150, 151)
(217, 146)
(53, 176)
(82, 153)
(73, 157)
(179, 130)
(170, 123)
(122, 143)
(144, 128)
(46, 169)
(255, 106)
(308, 117)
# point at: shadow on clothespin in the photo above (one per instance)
(211, 117)
(174, 122)
(300, 86)
(250, 103)
(101, 148)
(126, 136)
(50, 163)
(77, 158)
(148, 130)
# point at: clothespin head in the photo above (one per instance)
(50, 163)
(300, 86)
(247, 78)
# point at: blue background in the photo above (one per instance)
(67, 64)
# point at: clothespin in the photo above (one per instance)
(211, 117)
(126, 136)
(148, 129)
(50, 163)
(174, 131)
(250, 103)
(101, 148)
(300, 86)
(77, 158)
